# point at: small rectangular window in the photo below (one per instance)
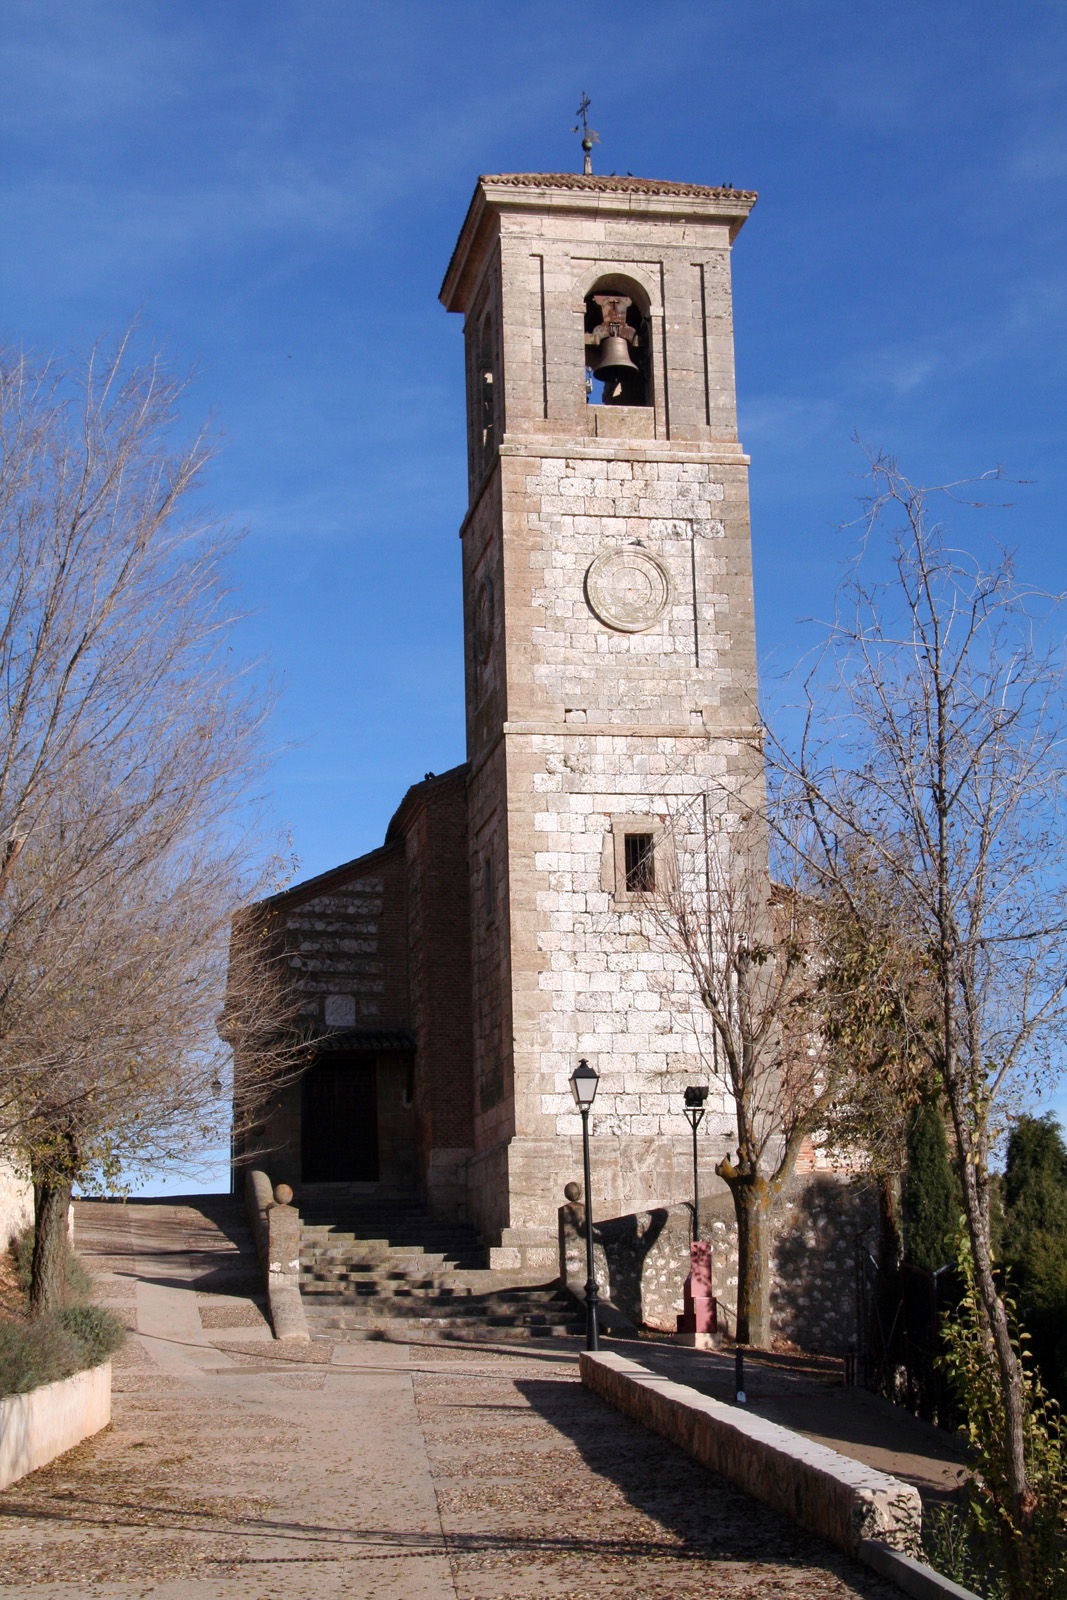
(640, 863)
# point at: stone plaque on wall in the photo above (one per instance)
(339, 1011)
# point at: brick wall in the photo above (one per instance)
(379, 951)
(432, 824)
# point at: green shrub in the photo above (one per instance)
(56, 1346)
(931, 1195)
(98, 1332)
(1028, 1556)
(1033, 1242)
(34, 1353)
(952, 1544)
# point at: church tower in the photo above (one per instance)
(610, 669)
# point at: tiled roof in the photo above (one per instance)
(602, 182)
(358, 1039)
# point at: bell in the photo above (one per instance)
(613, 357)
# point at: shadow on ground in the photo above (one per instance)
(706, 1515)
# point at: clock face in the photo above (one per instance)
(628, 589)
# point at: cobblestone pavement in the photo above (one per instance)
(234, 1471)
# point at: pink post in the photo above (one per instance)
(700, 1284)
(698, 1324)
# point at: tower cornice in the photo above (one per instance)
(575, 192)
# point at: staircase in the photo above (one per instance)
(378, 1268)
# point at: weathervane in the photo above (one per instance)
(590, 137)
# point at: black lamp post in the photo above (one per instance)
(695, 1096)
(584, 1080)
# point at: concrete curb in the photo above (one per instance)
(276, 1231)
(841, 1499)
(914, 1577)
(45, 1423)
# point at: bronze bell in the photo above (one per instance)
(612, 357)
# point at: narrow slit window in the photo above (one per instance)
(640, 863)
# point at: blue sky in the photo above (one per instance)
(274, 188)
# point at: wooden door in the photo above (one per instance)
(339, 1122)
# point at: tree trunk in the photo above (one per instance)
(752, 1207)
(890, 1231)
(48, 1273)
(1012, 1382)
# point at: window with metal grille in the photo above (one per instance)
(640, 863)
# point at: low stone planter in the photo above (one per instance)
(841, 1499)
(872, 1515)
(38, 1426)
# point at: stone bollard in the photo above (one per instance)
(572, 1237)
(283, 1267)
(283, 1234)
(698, 1323)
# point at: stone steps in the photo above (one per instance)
(385, 1268)
(531, 1313)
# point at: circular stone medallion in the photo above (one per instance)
(627, 588)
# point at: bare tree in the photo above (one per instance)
(876, 1005)
(933, 756)
(755, 950)
(127, 745)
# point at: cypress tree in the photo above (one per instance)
(931, 1200)
(1034, 1241)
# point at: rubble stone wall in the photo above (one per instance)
(642, 1259)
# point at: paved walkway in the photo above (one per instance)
(808, 1396)
(377, 1471)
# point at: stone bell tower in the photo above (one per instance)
(610, 667)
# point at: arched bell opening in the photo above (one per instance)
(617, 345)
(485, 389)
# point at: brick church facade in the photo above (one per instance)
(454, 977)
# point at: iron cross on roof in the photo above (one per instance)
(590, 137)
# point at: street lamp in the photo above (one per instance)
(695, 1096)
(584, 1080)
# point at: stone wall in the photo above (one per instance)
(609, 732)
(347, 946)
(379, 954)
(16, 1203)
(846, 1501)
(343, 939)
(642, 1259)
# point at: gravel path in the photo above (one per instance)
(234, 1471)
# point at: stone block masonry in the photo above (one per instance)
(275, 1224)
(673, 509)
(872, 1515)
(610, 668)
(378, 952)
